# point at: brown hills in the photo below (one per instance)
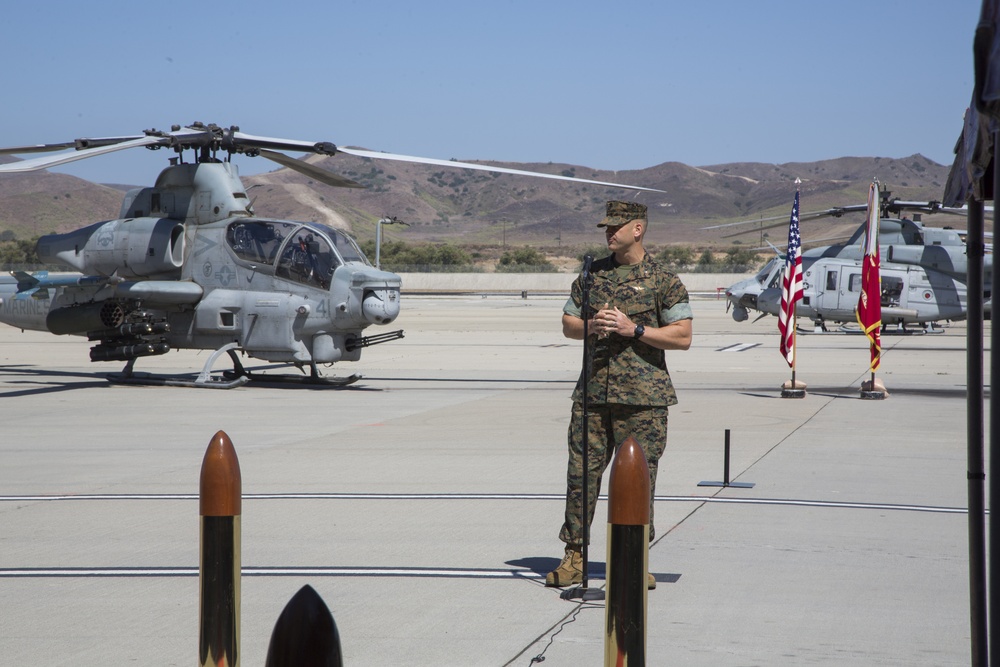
(474, 208)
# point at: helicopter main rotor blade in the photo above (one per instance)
(952, 211)
(755, 229)
(37, 148)
(830, 212)
(63, 158)
(747, 222)
(310, 170)
(234, 141)
(812, 243)
(482, 167)
(242, 139)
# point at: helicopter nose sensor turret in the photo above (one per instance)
(381, 306)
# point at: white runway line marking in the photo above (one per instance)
(486, 496)
(738, 347)
(409, 572)
(129, 572)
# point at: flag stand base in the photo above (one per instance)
(725, 472)
(793, 389)
(873, 390)
(579, 592)
(729, 485)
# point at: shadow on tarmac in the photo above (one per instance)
(542, 565)
(36, 378)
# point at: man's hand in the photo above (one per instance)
(613, 321)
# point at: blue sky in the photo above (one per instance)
(617, 86)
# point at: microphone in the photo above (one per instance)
(587, 261)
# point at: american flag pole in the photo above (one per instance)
(795, 325)
(794, 314)
(791, 287)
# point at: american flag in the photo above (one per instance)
(870, 301)
(791, 286)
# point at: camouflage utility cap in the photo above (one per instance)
(622, 212)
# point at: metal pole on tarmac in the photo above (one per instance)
(582, 591)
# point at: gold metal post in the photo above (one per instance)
(628, 557)
(221, 492)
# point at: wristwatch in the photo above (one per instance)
(639, 330)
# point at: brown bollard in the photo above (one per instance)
(628, 559)
(221, 500)
(305, 634)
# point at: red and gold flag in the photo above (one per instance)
(870, 302)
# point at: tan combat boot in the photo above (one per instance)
(570, 570)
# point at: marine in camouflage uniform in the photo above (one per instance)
(637, 310)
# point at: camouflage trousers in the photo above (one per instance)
(608, 426)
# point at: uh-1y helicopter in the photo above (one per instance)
(923, 272)
(188, 265)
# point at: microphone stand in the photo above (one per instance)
(582, 591)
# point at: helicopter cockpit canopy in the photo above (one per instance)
(346, 246)
(766, 271)
(302, 253)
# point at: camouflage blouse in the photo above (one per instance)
(624, 370)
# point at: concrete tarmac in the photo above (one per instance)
(423, 503)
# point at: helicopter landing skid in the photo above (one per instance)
(823, 331)
(313, 379)
(237, 377)
(203, 381)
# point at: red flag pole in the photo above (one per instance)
(869, 309)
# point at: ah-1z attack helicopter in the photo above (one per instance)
(188, 265)
(922, 273)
